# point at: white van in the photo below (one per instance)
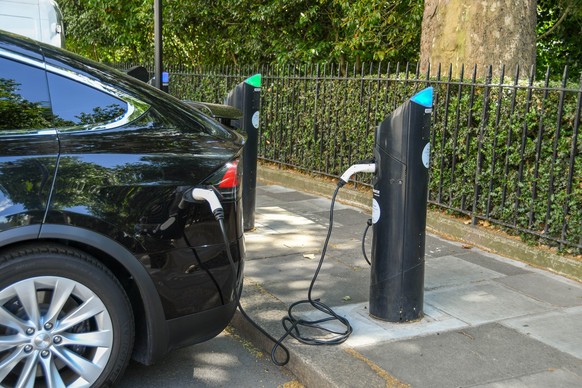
(37, 19)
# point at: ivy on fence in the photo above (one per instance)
(505, 150)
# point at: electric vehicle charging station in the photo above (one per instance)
(400, 167)
(401, 151)
(246, 96)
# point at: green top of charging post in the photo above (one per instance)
(254, 80)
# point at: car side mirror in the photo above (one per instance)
(139, 72)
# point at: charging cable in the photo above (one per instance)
(211, 196)
(368, 224)
(291, 322)
(362, 166)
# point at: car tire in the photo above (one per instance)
(65, 320)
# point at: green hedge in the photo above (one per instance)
(505, 152)
(514, 158)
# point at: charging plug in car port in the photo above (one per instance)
(212, 196)
(205, 193)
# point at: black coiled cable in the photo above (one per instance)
(291, 322)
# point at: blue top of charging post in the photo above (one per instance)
(424, 97)
(254, 80)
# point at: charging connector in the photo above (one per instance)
(369, 166)
(210, 195)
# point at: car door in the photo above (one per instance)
(28, 143)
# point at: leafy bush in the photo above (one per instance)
(506, 152)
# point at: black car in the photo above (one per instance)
(102, 256)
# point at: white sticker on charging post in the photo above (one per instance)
(426, 155)
(255, 120)
(375, 211)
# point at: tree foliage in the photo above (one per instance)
(559, 30)
(246, 31)
(253, 32)
(109, 30)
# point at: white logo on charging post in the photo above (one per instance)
(426, 155)
(375, 211)
(255, 119)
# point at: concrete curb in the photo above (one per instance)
(437, 223)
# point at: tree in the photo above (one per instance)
(492, 32)
(559, 29)
(258, 32)
(109, 30)
(246, 31)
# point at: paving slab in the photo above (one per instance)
(488, 321)
(494, 262)
(368, 330)
(469, 357)
(484, 302)
(272, 244)
(437, 247)
(312, 205)
(275, 189)
(558, 378)
(342, 217)
(553, 290)
(447, 271)
(560, 329)
(289, 278)
(278, 220)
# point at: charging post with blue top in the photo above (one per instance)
(165, 81)
(246, 96)
(401, 151)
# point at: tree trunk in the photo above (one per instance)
(478, 32)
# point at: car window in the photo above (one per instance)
(24, 98)
(78, 105)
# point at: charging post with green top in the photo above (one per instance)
(246, 97)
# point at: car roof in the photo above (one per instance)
(21, 45)
(69, 61)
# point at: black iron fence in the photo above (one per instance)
(505, 150)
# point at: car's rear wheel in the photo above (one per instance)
(65, 321)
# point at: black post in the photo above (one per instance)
(402, 153)
(158, 52)
(246, 96)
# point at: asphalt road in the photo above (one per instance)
(225, 361)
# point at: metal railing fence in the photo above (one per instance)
(504, 150)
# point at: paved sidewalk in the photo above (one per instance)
(489, 321)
